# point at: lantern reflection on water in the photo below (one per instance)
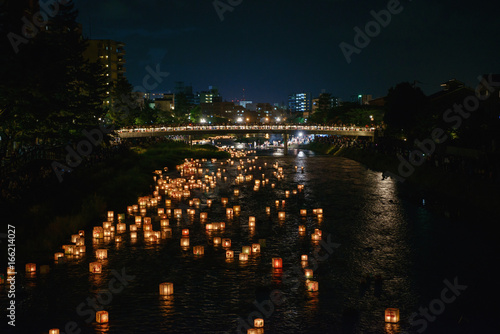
(277, 262)
(102, 317)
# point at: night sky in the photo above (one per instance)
(275, 47)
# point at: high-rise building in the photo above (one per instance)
(111, 55)
(299, 102)
(210, 96)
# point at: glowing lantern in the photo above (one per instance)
(246, 250)
(69, 249)
(81, 233)
(98, 232)
(111, 215)
(184, 242)
(243, 257)
(81, 249)
(217, 241)
(236, 209)
(223, 200)
(236, 192)
(132, 228)
(258, 322)
(226, 242)
(58, 255)
(229, 254)
(316, 237)
(95, 267)
(74, 237)
(255, 248)
(303, 212)
(161, 211)
(80, 241)
(277, 262)
(203, 216)
(138, 220)
(312, 285)
(318, 231)
(121, 227)
(185, 232)
(107, 233)
(198, 250)
(11, 271)
(302, 229)
(281, 215)
(229, 212)
(209, 227)
(308, 273)
(209, 202)
(268, 210)
(147, 220)
(251, 221)
(147, 227)
(392, 315)
(178, 213)
(166, 289)
(101, 254)
(168, 203)
(102, 317)
(30, 267)
(54, 331)
(303, 257)
(277, 202)
(118, 239)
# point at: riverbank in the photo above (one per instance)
(479, 195)
(46, 219)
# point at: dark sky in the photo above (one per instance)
(272, 48)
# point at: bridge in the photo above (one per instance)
(285, 130)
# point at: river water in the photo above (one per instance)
(371, 227)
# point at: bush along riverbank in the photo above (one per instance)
(467, 193)
(45, 221)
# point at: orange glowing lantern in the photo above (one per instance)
(255, 248)
(236, 192)
(223, 200)
(58, 255)
(69, 249)
(30, 267)
(121, 227)
(132, 228)
(184, 242)
(74, 237)
(138, 220)
(98, 232)
(101, 254)
(198, 250)
(54, 331)
(281, 215)
(303, 257)
(277, 202)
(229, 254)
(258, 323)
(147, 227)
(118, 239)
(268, 210)
(308, 273)
(243, 257)
(303, 212)
(392, 315)
(185, 232)
(246, 250)
(226, 242)
(302, 229)
(277, 263)
(316, 237)
(209, 202)
(251, 221)
(217, 241)
(166, 289)
(229, 212)
(312, 286)
(111, 215)
(203, 216)
(236, 209)
(95, 267)
(102, 317)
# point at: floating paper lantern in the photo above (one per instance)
(303, 257)
(303, 212)
(30, 267)
(209, 226)
(277, 202)
(223, 200)
(392, 315)
(226, 242)
(236, 192)
(209, 202)
(168, 203)
(81, 249)
(308, 273)
(121, 227)
(258, 322)
(246, 249)
(107, 233)
(74, 237)
(243, 257)
(229, 212)
(80, 241)
(185, 232)
(268, 210)
(69, 249)
(101, 254)
(277, 263)
(147, 220)
(236, 209)
(217, 241)
(118, 239)
(185, 242)
(98, 232)
(11, 271)
(135, 208)
(58, 255)
(102, 317)
(318, 231)
(147, 227)
(312, 285)
(316, 237)
(229, 254)
(81, 233)
(95, 267)
(166, 289)
(54, 331)
(203, 216)
(111, 215)
(251, 221)
(255, 248)
(138, 220)
(302, 229)
(132, 228)
(161, 211)
(198, 250)
(178, 213)
(281, 215)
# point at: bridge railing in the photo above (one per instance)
(244, 127)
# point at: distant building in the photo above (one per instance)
(187, 90)
(244, 103)
(210, 96)
(324, 102)
(299, 102)
(111, 55)
(362, 99)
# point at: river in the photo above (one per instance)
(381, 248)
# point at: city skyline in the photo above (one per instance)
(271, 50)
